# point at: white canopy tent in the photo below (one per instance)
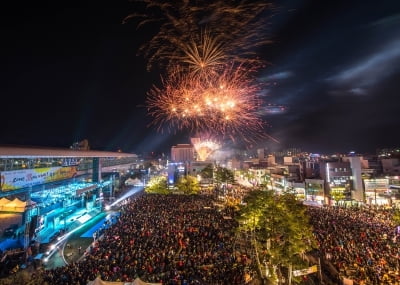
(15, 205)
(4, 201)
(137, 281)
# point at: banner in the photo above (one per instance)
(305, 271)
(347, 281)
(16, 179)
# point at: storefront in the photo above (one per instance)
(377, 191)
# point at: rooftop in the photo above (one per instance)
(35, 152)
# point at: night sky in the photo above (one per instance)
(70, 71)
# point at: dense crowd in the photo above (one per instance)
(172, 239)
(362, 244)
(183, 240)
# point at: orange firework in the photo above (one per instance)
(204, 147)
(224, 104)
(207, 48)
(206, 57)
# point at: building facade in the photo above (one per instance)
(182, 153)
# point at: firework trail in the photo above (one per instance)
(227, 30)
(208, 51)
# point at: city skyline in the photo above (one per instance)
(70, 72)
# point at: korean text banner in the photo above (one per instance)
(16, 179)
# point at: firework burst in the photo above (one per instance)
(204, 147)
(206, 58)
(208, 51)
(199, 31)
(224, 104)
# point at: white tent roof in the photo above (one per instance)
(15, 205)
(4, 201)
(137, 281)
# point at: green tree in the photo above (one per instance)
(280, 230)
(250, 220)
(294, 235)
(337, 195)
(396, 217)
(188, 185)
(157, 185)
(207, 172)
(224, 176)
(207, 175)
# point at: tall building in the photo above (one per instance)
(182, 153)
(358, 189)
(261, 153)
(338, 178)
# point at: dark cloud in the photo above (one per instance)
(343, 61)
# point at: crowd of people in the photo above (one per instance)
(362, 244)
(168, 239)
(189, 239)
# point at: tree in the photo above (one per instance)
(157, 185)
(224, 176)
(294, 235)
(207, 172)
(280, 230)
(188, 185)
(250, 217)
(396, 217)
(337, 195)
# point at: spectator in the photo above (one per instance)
(173, 239)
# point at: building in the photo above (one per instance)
(391, 166)
(377, 191)
(314, 190)
(42, 187)
(357, 190)
(338, 179)
(182, 153)
(175, 170)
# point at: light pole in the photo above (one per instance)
(112, 187)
